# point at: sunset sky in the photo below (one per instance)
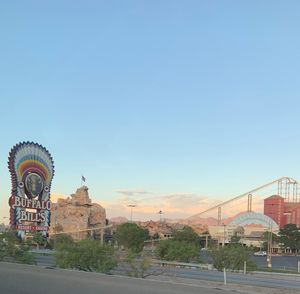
(171, 105)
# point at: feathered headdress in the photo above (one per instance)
(31, 167)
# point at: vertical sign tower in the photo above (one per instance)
(31, 167)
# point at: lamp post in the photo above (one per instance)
(131, 206)
(55, 225)
(224, 226)
(160, 213)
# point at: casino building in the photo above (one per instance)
(281, 211)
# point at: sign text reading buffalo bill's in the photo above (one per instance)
(23, 202)
(26, 203)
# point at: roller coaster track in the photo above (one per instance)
(287, 181)
(80, 231)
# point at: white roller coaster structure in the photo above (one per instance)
(287, 187)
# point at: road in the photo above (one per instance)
(265, 280)
(24, 279)
(257, 279)
(45, 260)
(289, 263)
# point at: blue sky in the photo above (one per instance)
(191, 97)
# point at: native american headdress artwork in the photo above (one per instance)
(31, 167)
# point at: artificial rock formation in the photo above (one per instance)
(77, 215)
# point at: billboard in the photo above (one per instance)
(31, 167)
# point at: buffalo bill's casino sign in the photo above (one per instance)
(32, 169)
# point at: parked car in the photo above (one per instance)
(260, 253)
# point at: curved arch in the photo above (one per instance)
(254, 218)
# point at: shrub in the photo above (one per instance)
(232, 257)
(86, 255)
(177, 251)
(14, 249)
(131, 236)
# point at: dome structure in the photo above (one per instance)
(250, 218)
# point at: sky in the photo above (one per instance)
(170, 105)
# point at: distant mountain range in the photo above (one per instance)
(209, 221)
(118, 220)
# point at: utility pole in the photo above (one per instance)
(270, 241)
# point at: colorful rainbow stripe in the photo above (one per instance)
(29, 165)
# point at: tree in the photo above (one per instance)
(183, 247)
(235, 239)
(131, 236)
(155, 236)
(139, 264)
(232, 257)
(187, 234)
(61, 241)
(39, 239)
(265, 237)
(87, 255)
(289, 236)
(205, 239)
(177, 251)
(14, 249)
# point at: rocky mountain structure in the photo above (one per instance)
(77, 215)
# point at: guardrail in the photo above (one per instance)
(206, 266)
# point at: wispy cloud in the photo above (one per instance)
(148, 204)
(173, 205)
(133, 192)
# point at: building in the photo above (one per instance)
(282, 212)
(248, 226)
(292, 214)
(254, 238)
(224, 233)
(274, 208)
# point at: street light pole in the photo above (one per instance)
(55, 225)
(131, 206)
(224, 234)
(160, 213)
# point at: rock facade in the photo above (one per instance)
(76, 215)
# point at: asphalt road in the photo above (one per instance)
(257, 279)
(23, 279)
(45, 260)
(266, 280)
(289, 263)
